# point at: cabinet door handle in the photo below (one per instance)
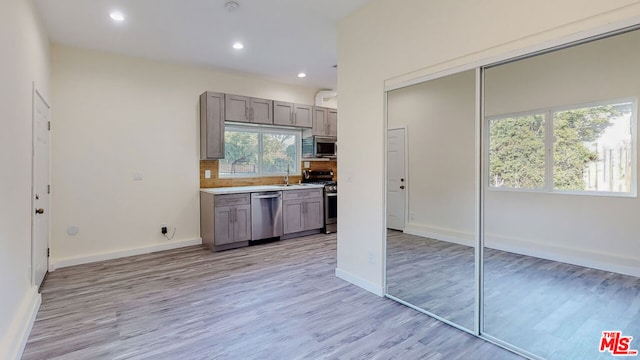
(246, 114)
(295, 117)
(234, 215)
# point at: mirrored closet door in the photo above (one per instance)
(561, 207)
(431, 189)
(559, 266)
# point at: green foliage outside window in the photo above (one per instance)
(517, 152)
(254, 151)
(517, 147)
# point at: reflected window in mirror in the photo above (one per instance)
(590, 149)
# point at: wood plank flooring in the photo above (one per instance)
(553, 309)
(273, 301)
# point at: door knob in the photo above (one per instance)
(402, 187)
(40, 211)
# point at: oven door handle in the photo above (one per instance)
(332, 194)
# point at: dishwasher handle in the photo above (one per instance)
(270, 196)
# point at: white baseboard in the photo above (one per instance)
(355, 280)
(85, 259)
(597, 260)
(15, 339)
(449, 235)
(602, 261)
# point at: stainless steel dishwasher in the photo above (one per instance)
(266, 215)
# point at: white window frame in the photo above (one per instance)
(261, 130)
(549, 140)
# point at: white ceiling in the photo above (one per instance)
(281, 37)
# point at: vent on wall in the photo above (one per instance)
(325, 97)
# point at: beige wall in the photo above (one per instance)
(400, 39)
(115, 116)
(24, 60)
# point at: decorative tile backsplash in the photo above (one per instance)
(215, 181)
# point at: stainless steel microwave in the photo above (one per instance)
(319, 147)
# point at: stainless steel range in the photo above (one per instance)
(325, 177)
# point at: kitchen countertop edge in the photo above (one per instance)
(258, 188)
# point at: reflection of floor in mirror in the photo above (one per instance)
(553, 309)
(412, 262)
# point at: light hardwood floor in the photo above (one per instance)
(272, 301)
(553, 309)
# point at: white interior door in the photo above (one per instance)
(40, 200)
(396, 179)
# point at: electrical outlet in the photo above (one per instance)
(163, 229)
(207, 174)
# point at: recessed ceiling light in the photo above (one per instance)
(231, 5)
(301, 75)
(117, 16)
(238, 46)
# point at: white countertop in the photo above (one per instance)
(257, 188)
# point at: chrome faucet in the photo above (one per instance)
(286, 177)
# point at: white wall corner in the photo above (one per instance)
(442, 234)
(601, 261)
(85, 259)
(15, 339)
(358, 281)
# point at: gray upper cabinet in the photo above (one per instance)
(290, 114)
(261, 111)
(303, 115)
(236, 108)
(319, 120)
(246, 109)
(332, 122)
(325, 121)
(212, 125)
(282, 113)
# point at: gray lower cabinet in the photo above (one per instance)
(225, 220)
(247, 109)
(211, 126)
(302, 210)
